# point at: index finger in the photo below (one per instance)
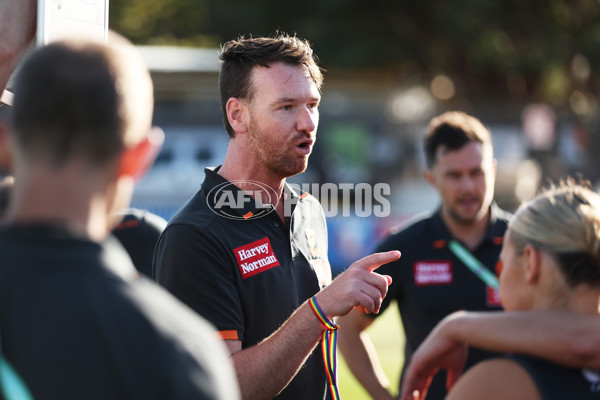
(375, 260)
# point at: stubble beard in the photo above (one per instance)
(468, 221)
(277, 160)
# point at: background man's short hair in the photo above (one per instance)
(453, 130)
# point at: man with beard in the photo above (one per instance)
(248, 252)
(435, 276)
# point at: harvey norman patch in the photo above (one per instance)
(255, 257)
(432, 273)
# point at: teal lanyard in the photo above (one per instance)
(11, 384)
(473, 264)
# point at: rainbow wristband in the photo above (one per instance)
(329, 346)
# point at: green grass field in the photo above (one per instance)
(388, 337)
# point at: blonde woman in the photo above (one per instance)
(551, 259)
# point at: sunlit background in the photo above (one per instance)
(529, 69)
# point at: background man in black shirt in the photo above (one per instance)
(430, 281)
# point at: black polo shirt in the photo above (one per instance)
(76, 324)
(238, 265)
(138, 232)
(558, 382)
(429, 281)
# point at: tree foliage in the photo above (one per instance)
(544, 49)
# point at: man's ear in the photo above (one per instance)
(6, 157)
(532, 260)
(430, 178)
(137, 160)
(237, 114)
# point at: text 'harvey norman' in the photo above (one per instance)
(255, 257)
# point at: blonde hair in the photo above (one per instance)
(564, 221)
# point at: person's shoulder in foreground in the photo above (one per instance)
(519, 377)
(74, 321)
(92, 329)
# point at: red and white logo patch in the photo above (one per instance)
(493, 297)
(432, 273)
(255, 257)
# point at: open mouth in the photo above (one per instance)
(305, 147)
(306, 144)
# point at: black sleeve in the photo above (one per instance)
(393, 269)
(194, 266)
(167, 350)
(138, 232)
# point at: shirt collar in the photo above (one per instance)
(214, 182)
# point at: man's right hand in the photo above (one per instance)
(359, 285)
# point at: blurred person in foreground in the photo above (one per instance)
(551, 263)
(248, 252)
(74, 323)
(139, 229)
(430, 281)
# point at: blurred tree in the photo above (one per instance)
(541, 49)
(166, 22)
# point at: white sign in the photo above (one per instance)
(539, 126)
(58, 19)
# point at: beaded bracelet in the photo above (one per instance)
(328, 345)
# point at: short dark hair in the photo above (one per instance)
(66, 101)
(453, 130)
(240, 56)
(81, 98)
